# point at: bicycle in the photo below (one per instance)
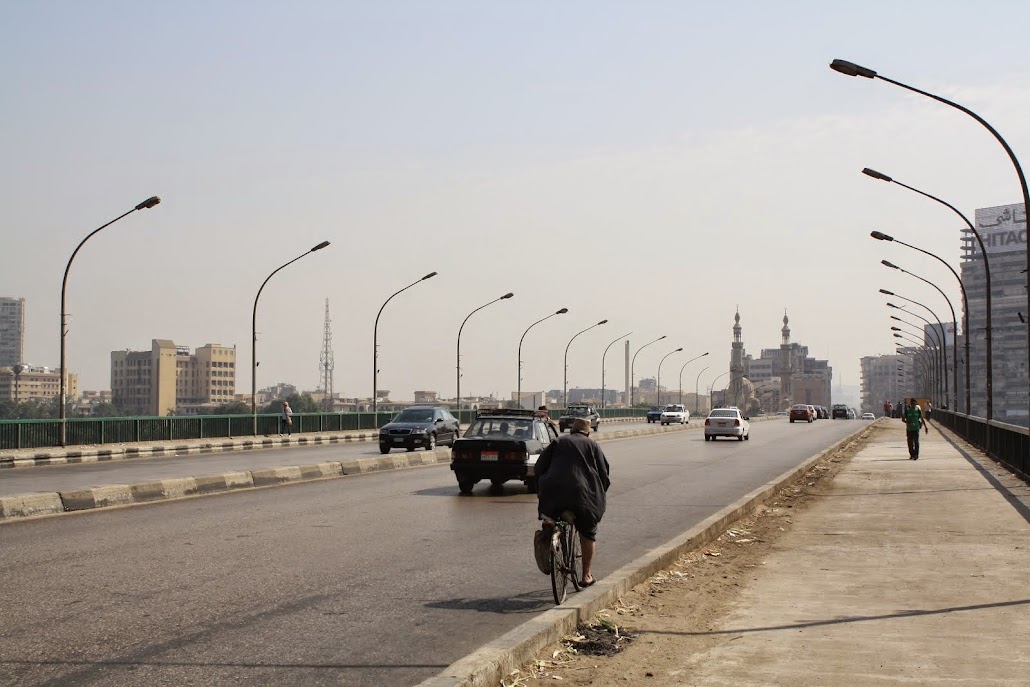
(566, 559)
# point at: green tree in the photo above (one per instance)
(232, 408)
(299, 403)
(107, 410)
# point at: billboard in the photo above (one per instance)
(1002, 228)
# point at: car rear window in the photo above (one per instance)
(500, 428)
(581, 411)
(723, 413)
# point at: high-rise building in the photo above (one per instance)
(23, 383)
(1004, 232)
(12, 331)
(168, 379)
(883, 382)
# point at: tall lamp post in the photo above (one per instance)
(253, 336)
(62, 396)
(852, 69)
(565, 379)
(602, 363)
(943, 339)
(924, 307)
(375, 349)
(712, 387)
(633, 365)
(681, 373)
(933, 354)
(458, 384)
(880, 236)
(658, 379)
(697, 392)
(518, 392)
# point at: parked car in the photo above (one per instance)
(802, 413)
(419, 427)
(655, 414)
(577, 410)
(675, 412)
(727, 422)
(815, 413)
(501, 445)
(868, 416)
(839, 412)
(822, 413)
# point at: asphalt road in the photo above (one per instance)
(378, 579)
(50, 478)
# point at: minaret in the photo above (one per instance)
(736, 362)
(786, 391)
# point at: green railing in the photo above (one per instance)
(19, 434)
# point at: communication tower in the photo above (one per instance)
(325, 362)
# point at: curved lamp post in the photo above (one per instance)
(697, 392)
(658, 379)
(924, 363)
(145, 205)
(943, 339)
(932, 351)
(518, 393)
(852, 69)
(633, 365)
(891, 305)
(711, 389)
(880, 236)
(458, 384)
(253, 336)
(602, 363)
(923, 352)
(375, 350)
(681, 374)
(565, 378)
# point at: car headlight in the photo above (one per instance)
(418, 431)
(384, 432)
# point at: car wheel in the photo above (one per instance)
(531, 485)
(465, 485)
(431, 442)
(747, 437)
(810, 421)
(384, 449)
(740, 438)
(791, 420)
(497, 481)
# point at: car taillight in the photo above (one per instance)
(514, 456)
(736, 423)
(708, 421)
(459, 454)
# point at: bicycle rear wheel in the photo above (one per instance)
(574, 562)
(559, 563)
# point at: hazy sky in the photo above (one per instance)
(658, 164)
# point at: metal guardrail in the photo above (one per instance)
(1009, 444)
(19, 434)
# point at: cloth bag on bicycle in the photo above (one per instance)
(542, 548)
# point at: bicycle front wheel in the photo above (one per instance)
(559, 565)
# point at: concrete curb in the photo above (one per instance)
(52, 503)
(486, 666)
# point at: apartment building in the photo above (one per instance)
(22, 383)
(169, 379)
(12, 331)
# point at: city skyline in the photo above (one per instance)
(587, 161)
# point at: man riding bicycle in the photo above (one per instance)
(573, 475)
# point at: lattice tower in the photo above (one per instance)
(325, 362)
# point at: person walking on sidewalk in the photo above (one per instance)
(913, 417)
(573, 474)
(287, 420)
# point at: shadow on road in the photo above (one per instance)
(530, 602)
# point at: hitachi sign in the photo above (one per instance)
(1002, 228)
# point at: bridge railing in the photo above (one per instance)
(1009, 444)
(22, 434)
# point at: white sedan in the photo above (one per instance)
(727, 422)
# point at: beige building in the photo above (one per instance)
(33, 383)
(168, 379)
(12, 331)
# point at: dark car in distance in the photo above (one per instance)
(419, 427)
(655, 414)
(501, 445)
(839, 411)
(579, 410)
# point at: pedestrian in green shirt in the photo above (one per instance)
(913, 417)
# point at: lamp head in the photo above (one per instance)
(876, 175)
(678, 349)
(896, 307)
(894, 317)
(319, 246)
(562, 311)
(601, 322)
(507, 295)
(888, 263)
(880, 236)
(148, 203)
(897, 329)
(897, 335)
(428, 276)
(886, 292)
(703, 355)
(660, 337)
(851, 69)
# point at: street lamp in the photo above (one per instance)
(565, 379)
(944, 335)
(697, 394)
(712, 387)
(932, 351)
(633, 365)
(891, 305)
(145, 205)
(852, 69)
(933, 330)
(880, 236)
(518, 392)
(922, 350)
(681, 373)
(458, 385)
(375, 350)
(253, 337)
(658, 379)
(602, 363)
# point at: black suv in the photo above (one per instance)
(579, 410)
(840, 411)
(419, 427)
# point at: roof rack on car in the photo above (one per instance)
(507, 412)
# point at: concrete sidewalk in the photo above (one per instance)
(900, 572)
